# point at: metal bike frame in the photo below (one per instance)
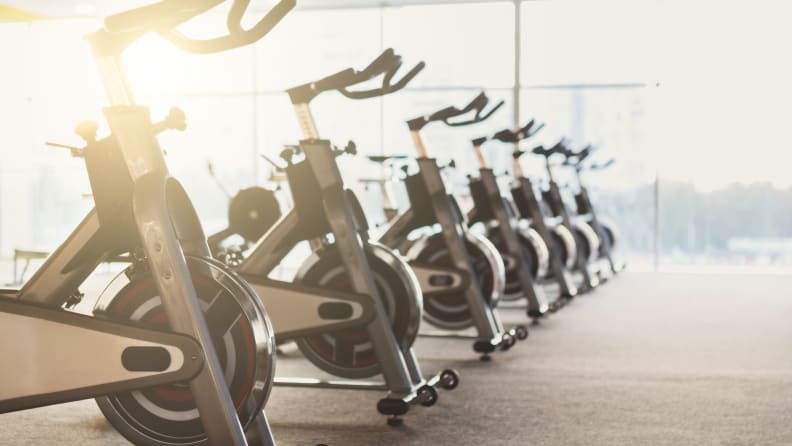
(399, 367)
(445, 213)
(529, 205)
(583, 198)
(494, 207)
(559, 209)
(164, 224)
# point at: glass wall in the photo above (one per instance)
(700, 176)
(235, 104)
(717, 130)
(581, 74)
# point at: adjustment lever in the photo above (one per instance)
(451, 165)
(350, 148)
(76, 152)
(176, 120)
(289, 152)
(86, 130)
(275, 165)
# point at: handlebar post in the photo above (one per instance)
(518, 170)
(420, 148)
(306, 121)
(578, 177)
(480, 155)
(114, 80)
(549, 168)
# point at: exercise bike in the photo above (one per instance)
(586, 240)
(354, 307)
(460, 272)
(530, 209)
(179, 350)
(585, 209)
(524, 253)
(251, 212)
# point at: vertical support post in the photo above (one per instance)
(657, 222)
(517, 60)
(255, 133)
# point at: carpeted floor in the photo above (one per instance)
(650, 359)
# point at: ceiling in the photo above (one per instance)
(100, 8)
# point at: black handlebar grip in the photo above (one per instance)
(525, 131)
(478, 117)
(559, 147)
(586, 151)
(505, 135)
(602, 166)
(386, 61)
(478, 104)
(541, 150)
(518, 153)
(479, 141)
(237, 36)
(408, 77)
(533, 131)
(512, 136)
(486, 116)
(387, 85)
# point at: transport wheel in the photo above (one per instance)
(429, 396)
(538, 258)
(450, 311)
(349, 353)
(449, 379)
(243, 340)
(508, 342)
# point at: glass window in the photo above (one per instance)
(581, 42)
(309, 45)
(442, 142)
(473, 47)
(614, 120)
(52, 87)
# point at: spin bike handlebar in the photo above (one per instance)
(602, 166)
(165, 16)
(388, 64)
(445, 115)
(512, 136)
(576, 159)
(582, 154)
(559, 147)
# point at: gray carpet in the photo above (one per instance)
(650, 359)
